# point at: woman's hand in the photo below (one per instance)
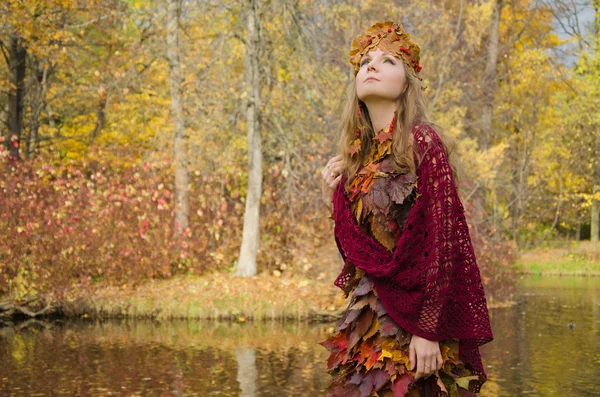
(332, 174)
(426, 355)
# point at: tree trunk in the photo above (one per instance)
(595, 191)
(101, 104)
(489, 78)
(596, 177)
(517, 184)
(17, 67)
(40, 76)
(247, 259)
(4, 119)
(180, 137)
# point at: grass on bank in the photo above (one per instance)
(265, 297)
(575, 258)
(216, 296)
(220, 296)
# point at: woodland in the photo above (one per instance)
(146, 140)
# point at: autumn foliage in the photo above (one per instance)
(66, 226)
(84, 223)
(91, 200)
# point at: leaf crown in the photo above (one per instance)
(387, 36)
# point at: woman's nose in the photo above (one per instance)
(371, 66)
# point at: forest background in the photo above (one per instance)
(131, 130)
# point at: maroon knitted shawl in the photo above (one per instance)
(430, 284)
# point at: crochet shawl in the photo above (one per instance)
(430, 284)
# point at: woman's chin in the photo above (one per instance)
(374, 96)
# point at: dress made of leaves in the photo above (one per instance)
(369, 350)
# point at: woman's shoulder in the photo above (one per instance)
(425, 138)
(425, 134)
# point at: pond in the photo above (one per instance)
(535, 352)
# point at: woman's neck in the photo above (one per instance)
(381, 114)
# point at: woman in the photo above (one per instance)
(417, 313)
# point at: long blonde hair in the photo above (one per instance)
(411, 110)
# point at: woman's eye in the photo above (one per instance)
(386, 60)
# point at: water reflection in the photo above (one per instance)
(145, 358)
(535, 353)
(246, 374)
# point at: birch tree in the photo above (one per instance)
(251, 235)
(180, 137)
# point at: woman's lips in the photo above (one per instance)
(371, 78)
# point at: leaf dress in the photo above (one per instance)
(368, 351)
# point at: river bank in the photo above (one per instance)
(223, 296)
(572, 259)
(215, 297)
(218, 296)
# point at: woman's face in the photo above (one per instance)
(380, 77)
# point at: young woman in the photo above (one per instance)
(417, 312)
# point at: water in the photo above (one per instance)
(534, 353)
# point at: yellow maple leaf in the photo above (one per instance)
(389, 344)
(401, 357)
(385, 353)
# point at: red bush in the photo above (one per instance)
(87, 222)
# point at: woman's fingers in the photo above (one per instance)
(420, 368)
(336, 181)
(331, 178)
(328, 173)
(333, 168)
(426, 365)
(332, 172)
(432, 366)
(425, 356)
(417, 359)
(333, 160)
(337, 163)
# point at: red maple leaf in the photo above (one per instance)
(400, 385)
